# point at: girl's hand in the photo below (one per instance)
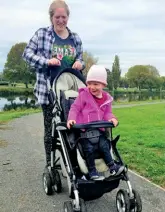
(114, 121)
(70, 123)
(54, 62)
(77, 65)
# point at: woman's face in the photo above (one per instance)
(60, 19)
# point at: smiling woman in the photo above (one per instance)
(49, 51)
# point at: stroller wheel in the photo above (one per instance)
(122, 201)
(83, 207)
(137, 205)
(47, 184)
(56, 181)
(68, 207)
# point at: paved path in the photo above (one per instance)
(21, 166)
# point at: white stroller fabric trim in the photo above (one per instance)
(67, 82)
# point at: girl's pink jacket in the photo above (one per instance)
(85, 109)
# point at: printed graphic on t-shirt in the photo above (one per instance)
(65, 53)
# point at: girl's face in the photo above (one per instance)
(60, 19)
(95, 88)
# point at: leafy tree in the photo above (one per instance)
(116, 72)
(15, 69)
(143, 76)
(1, 76)
(109, 79)
(153, 71)
(123, 83)
(137, 76)
(89, 60)
(162, 83)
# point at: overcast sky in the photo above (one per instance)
(132, 29)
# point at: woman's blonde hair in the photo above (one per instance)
(58, 4)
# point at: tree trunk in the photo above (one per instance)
(26, 84)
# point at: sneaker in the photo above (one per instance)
(94, 175)
(116, 169)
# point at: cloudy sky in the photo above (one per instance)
(132, 29)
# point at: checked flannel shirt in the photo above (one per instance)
(37, 53)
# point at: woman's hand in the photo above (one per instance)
(77, 65)
(70, 123)
(54, 62)
(114, 121)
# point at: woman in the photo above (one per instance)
(57, 47)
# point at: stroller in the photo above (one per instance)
(67, 154)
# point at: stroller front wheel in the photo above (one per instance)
(137, 205)
(47, 184)
(122, 201)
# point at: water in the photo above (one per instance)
(22, 101)
(15, 102)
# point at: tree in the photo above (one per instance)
(116, 72)
(109, 79)
(89, 60)
(162, 83)
(15, 69)
(137, 76)
(123, 83)
(153, 71)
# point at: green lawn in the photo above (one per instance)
(142, 142)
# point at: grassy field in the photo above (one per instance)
(142, 142)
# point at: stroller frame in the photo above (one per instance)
(131, 197)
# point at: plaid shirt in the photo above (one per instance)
(37, 53)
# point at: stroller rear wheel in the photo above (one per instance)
(56, 181)
(122, 201)
(68, 206)
(47, 183)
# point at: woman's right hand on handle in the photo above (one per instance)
(54, 62)
(70, 123)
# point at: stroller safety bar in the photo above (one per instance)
(98, 124)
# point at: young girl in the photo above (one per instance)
(94, 104)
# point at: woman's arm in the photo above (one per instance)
(79, 49)
(30, 52)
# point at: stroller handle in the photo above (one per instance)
(97, 124)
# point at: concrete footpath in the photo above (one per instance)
(21, 167)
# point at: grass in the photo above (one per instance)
(142, 145)
(137, 102)
(9, 115)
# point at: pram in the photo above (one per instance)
(66, 142)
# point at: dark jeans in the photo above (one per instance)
(103, 147)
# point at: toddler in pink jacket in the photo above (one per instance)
(94, 104)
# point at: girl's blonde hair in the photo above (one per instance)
(58, 4)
